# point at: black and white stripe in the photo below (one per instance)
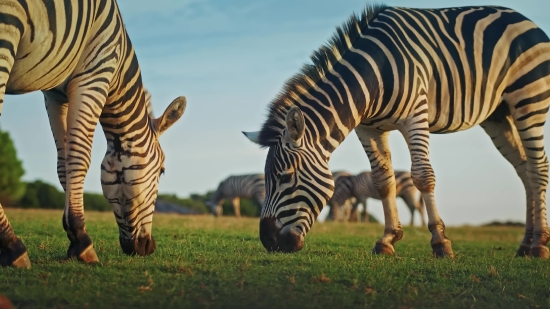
(418, 71)
(236, 187)
(360, 187)
(79, 54)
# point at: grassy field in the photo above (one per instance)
(206, 262)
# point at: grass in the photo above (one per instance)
(206, 262)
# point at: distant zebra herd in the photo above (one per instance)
(349, 192)
(416, 71)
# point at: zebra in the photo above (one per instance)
(79, 55)
(418, 71)
(361, 187)
(338, 177)
(235, 187)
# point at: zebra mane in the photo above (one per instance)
(148, 103)
(323, 60)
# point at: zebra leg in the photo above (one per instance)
(56, 107)
(237, 206)
(12, 251)
(354, 212)
(420, 208)
(219, 209)
(346, 214)
(365, 209)
(85, 106)
(377, 148)
(409, 200)
(529, 121)
(505, 137)
(417, 137)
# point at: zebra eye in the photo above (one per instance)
(286, 178)
(161, 171)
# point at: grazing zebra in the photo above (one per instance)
(338, 177)
(418, 71)
(361, 187)
(236, 187)
(79, 54)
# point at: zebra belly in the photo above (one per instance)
(31, 72)
(46, 58)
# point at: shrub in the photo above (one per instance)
(40, 194)
(12, 187)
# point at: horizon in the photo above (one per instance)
(230, 61)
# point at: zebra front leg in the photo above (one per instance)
(417, 137)
(420, 208)
(366, 211)
(408, 197)
(85, 106)
(12, 251)
(377, 148)
(237, 206)
(355, 215)
(219, 209)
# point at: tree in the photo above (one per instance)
(11, 171)
(40, 194)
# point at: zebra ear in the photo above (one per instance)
(172, 113)
(295, 124)
(253, 136)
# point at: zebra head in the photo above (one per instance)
(298, 184)
(131, 169)
(215, 208)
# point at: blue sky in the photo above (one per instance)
(230, 58)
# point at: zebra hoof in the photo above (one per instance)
(15, 255)
(523, 251)
(83, 250)
(443, 249)
(385, 249)
(541, 252)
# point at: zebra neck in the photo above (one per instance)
(333, 107)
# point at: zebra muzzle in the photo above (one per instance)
(142, 246)
(275, 239)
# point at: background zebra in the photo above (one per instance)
(418, 71)
(361, 187)
(236, 187)
(338, 177)
(79, 54)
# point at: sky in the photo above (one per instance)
(230, 59)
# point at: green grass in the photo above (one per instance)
(206, 262)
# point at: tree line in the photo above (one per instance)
(15, 192)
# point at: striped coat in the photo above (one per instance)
(79, 55)
(417, 71)
(361, 187)
(236, 187)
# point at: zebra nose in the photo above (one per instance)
(294, 240)
(268, 234)
(141, 246)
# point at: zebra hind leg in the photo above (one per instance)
(503, 134)
(529, 120)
